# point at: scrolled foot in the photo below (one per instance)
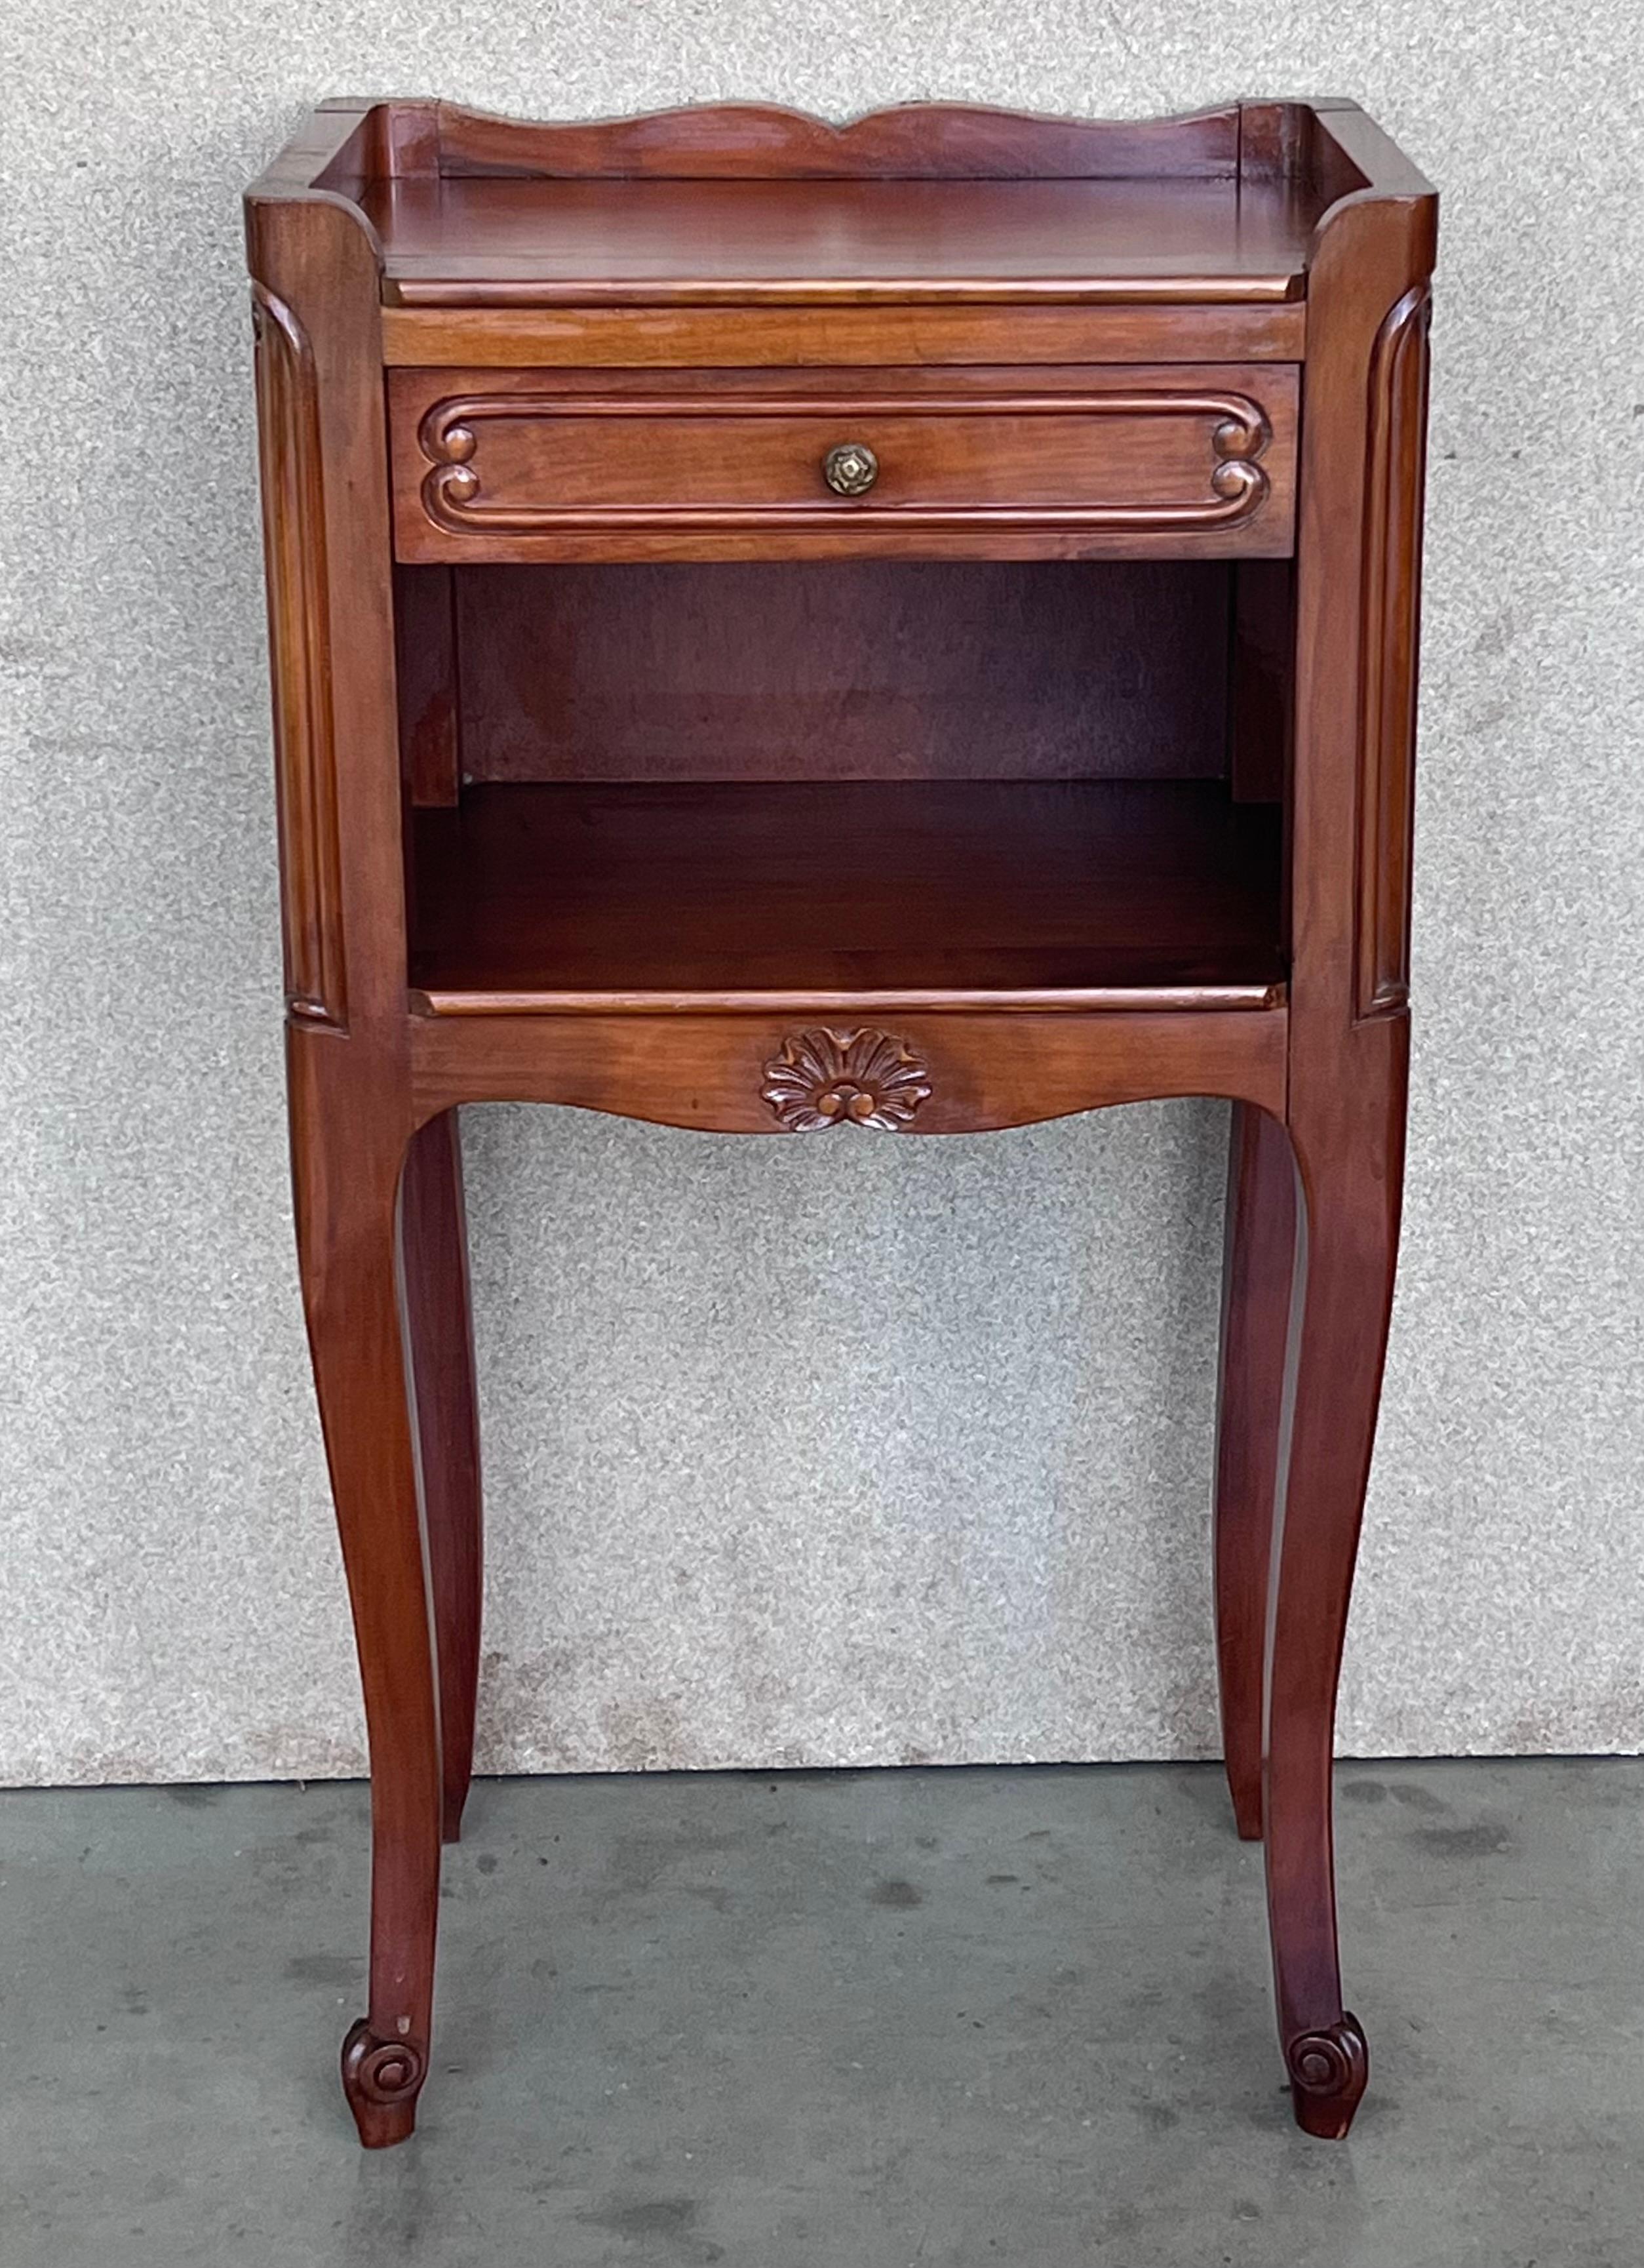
(1329, 2070)
(382, 2080)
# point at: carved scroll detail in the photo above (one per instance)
(452, 489)
(822, 1078)
(380, 2072)
(1328, 2072)
(1389, 585)
(299, 637)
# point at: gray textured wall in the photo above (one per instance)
(851, 1450)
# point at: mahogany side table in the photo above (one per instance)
(909, 625)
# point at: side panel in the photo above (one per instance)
(299, 646)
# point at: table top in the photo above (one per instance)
(601, 241)
(733, 203)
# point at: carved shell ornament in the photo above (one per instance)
(824, 1078)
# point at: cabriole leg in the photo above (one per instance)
(433, 1250)
(1260, 1265)
(348, 1139)
(1350, 1155)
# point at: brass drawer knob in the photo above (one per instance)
(850, 469)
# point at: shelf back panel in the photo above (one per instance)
(858, 671)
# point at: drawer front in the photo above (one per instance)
(508, 465)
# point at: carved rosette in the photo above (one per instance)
(823, 1078)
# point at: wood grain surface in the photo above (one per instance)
(860, 670)
(855, 859)
(1187, 460)
(966, 887)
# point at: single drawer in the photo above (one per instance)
(516, 465)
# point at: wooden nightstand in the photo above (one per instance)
(911, 624)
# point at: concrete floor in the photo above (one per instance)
(886, 2020)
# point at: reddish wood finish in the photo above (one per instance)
(439, 1337)
(915, 141)
(971, 886)
(350, 1125)
(1390, 582)
(1348, 1072)
(1158, 849)
(1197, 461)
(878, 670)
(931, 201)
(708, 1068)
(1263, 629)
(483, 243)
(351, 1109)
(305, 754)
(1255, 1324)
(879, 336)
(425, 625)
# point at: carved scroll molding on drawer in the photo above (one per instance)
(299, 628)
(513, 466)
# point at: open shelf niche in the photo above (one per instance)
(1023, 778)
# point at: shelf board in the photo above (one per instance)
(803, 897)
